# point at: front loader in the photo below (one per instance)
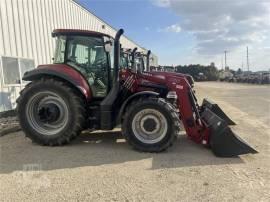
(85, 88)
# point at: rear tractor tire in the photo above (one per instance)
(150, 125)
(50, 112)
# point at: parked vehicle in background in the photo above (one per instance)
(201, 77)
(225, 76)
(253, 77)
(265, 78)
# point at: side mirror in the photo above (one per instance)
(108, 46)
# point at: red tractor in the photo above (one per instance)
(85, 88)
(143, 62)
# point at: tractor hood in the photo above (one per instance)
(187, 76)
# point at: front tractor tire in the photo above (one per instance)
(150, 125)
(50, 112)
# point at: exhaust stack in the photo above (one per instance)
(117, 53)
(148, 60)
(133, 58)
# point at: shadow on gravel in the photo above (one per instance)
(94, 149)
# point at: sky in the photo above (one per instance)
(184, 32)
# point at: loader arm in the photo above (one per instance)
(189, 111)
(195, 127)
(206, 124)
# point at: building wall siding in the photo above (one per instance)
(26, 27)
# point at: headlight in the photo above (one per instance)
(172, 95)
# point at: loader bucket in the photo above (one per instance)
(223, 141)
(216, 109)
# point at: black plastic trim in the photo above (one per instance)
(107, 106)
(148, 60)
(133, 58)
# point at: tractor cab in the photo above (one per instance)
(140, 62)
(132, 61)
(89, 53)
(125, 59)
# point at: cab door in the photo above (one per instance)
(88, 56)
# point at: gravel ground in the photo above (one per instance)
(102, 167)
(9, 125)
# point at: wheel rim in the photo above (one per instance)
(47, 113)
(149, 126)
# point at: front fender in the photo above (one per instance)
(63, 72)
(132, 97)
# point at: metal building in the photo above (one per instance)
(25, 38)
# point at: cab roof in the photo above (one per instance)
(78, 32)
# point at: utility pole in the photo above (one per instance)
(247, 60)
(225, 58)
(222, 63)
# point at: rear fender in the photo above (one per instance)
(63, 72)
(131, 98)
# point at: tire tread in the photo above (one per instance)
(67, 135)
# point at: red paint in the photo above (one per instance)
(69, 72)
(198, 131)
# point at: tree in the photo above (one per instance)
(196, 70)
